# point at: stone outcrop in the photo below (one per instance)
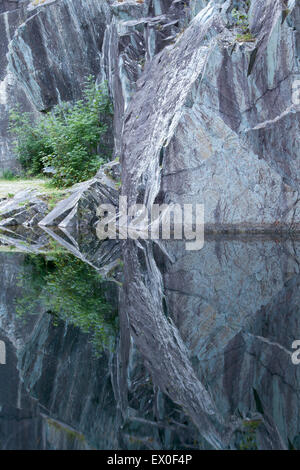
(52, 47)
(48, 49)
(213, 122)
(56, 48)
(80, 208)
(198, 116)
(11, 91)
(25, 208)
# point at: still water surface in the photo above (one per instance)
(144, 347)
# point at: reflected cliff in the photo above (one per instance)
(149, 346)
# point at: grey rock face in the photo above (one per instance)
(80, 208)
(136, 33)
(54, 51)
(235, 305)
(11, 92)
(213, 122)
(55, 45)
(46, 54)
(208, 120)
(186, 140)
(25, 208)
(8, 5)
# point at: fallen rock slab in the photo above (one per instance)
(25, 208)
(80, 208)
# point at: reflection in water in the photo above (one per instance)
(201, 359)
(71, 291)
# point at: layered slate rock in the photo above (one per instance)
(11, 91)
(25, 208)
(138, 31)
(25, 239)
(47, 51)
(53, 46)
(80, 208)
(57, 48)
(185, 141)
(8, 5)
(235, 303)
(213, 122)
(207, 118)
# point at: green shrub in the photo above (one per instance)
(247, 37)
(248, 441)
(30, 141)
(8, 175)
(68, 138)
(241, 20)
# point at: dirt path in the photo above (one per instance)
(11, 187)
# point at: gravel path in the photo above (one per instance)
(12, 187)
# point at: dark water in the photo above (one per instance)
(142, 347)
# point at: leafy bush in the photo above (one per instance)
(30, 141)
(241, 19)
(68, 138)
(8, 175)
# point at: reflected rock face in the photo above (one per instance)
(233, 311)
(42, 401)
(56, 394)
(236, 305)
(220, 288)
(218, 298)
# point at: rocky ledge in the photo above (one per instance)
(29, 208)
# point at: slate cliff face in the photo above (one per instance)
(11, 92)
(46, 55)
(48, 51)
(199, 116)
(213, 121)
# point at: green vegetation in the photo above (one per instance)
(247, 37)
(241, 20)
(8, 175)
(66, 430)
(8, 188)
(67, 139)
(70, 290)
(248, 441)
